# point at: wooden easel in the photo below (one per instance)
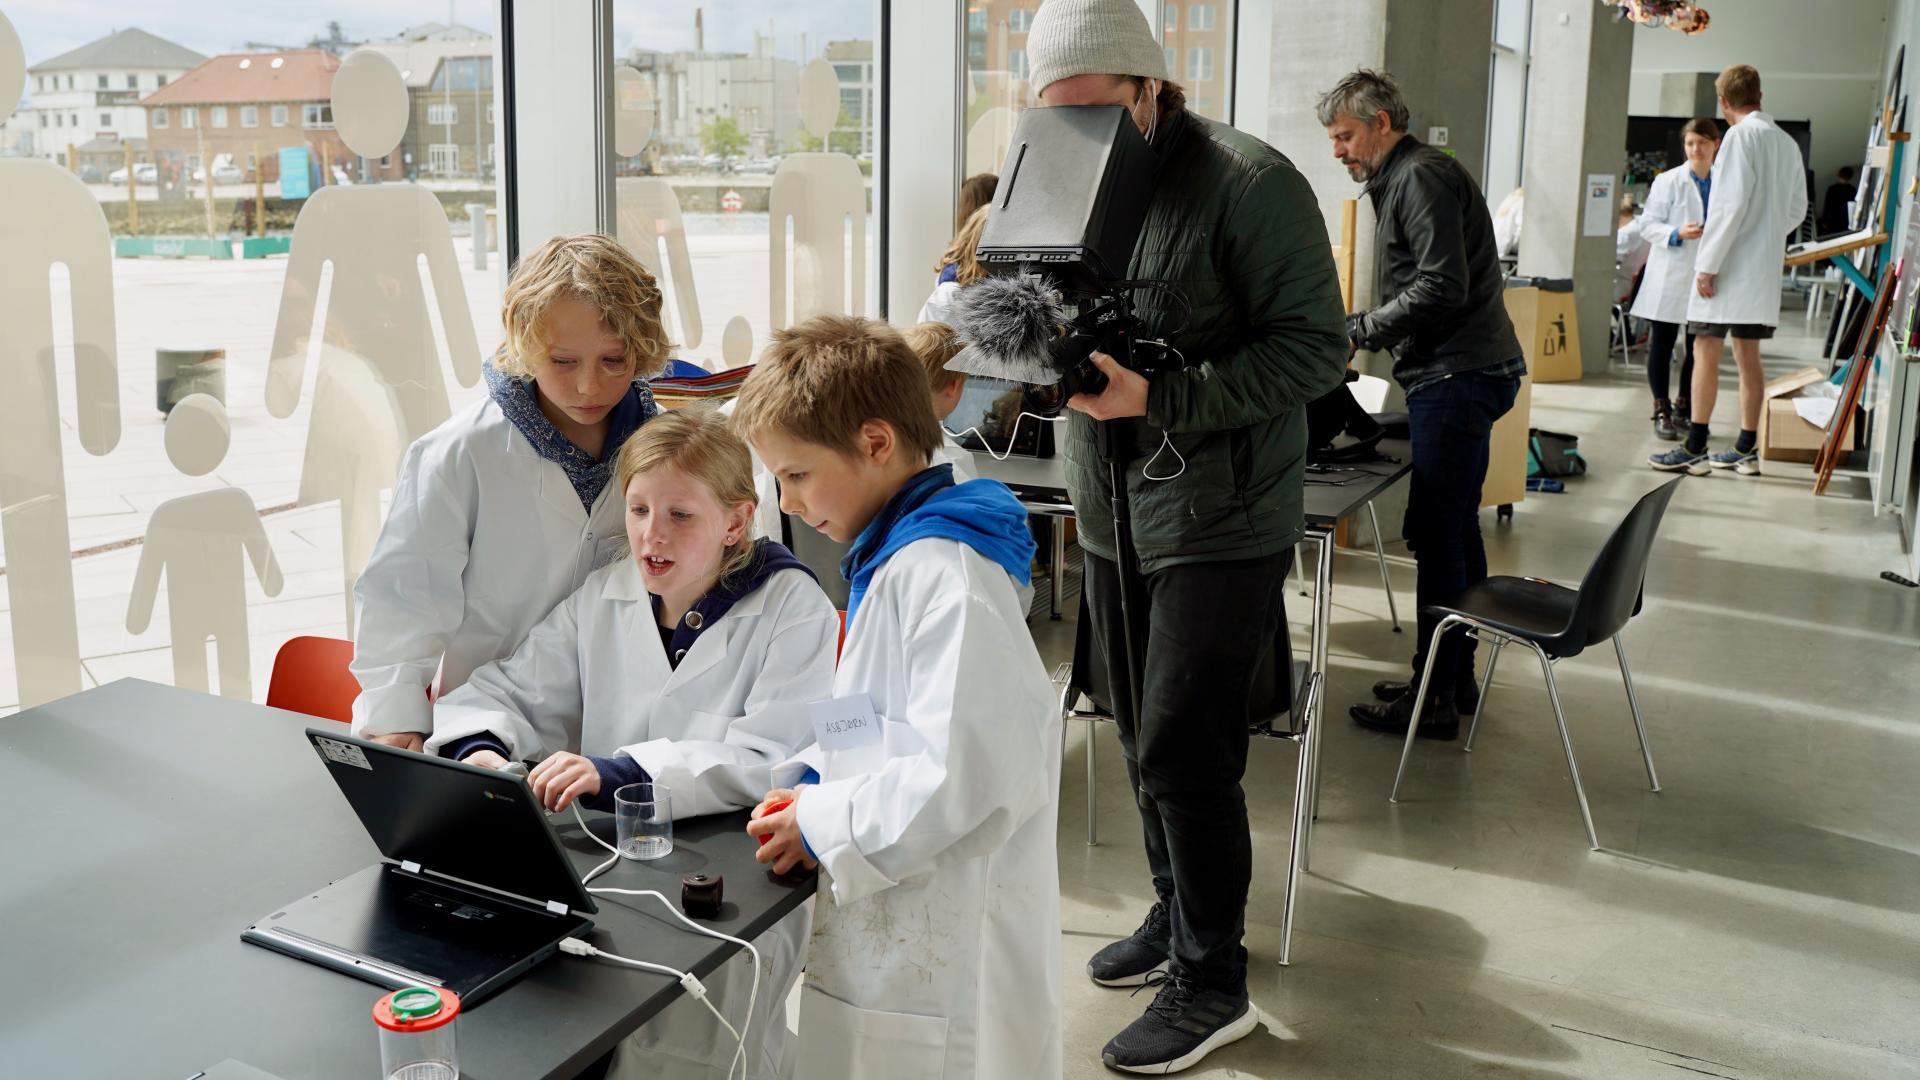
(1343, 253)
(1840, 427)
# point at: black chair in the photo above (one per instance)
(1557, 622)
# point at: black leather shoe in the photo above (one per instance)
(1439, 720)
(1466, 693)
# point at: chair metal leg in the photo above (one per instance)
(1380, 552)
(1420, 699)
(1486, 684)
(1566, 744)
(1633, 702)
(1057, 572)
(1299, 574)
(1302, 818)
(1093, 796)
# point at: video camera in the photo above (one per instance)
(1059, 236)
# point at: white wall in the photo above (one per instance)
(1819, 61)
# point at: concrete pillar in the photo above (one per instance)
(1688, 93)
(1576, 127)
(1440, 58)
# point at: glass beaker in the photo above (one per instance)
(643, 820)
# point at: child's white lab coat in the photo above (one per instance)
(708, 730)
(936, 947)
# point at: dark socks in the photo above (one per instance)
(1696, 438)
(1747, 440)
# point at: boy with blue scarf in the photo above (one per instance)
(928, 798)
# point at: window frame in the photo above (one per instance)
(157, 118)
(247, 121)
(217, 117)
(277, 115)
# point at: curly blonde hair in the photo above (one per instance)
(699, 442)
(597, 271)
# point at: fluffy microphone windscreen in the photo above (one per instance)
(1009, 324)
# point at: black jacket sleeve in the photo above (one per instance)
(1428, 215)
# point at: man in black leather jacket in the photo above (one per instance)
(1442, 314)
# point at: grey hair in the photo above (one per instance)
(1363, 95)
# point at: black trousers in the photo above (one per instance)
(1451, 422)
(1660, 341)
(1205, 630)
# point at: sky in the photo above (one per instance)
(50, 27)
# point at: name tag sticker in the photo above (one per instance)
(845, 723)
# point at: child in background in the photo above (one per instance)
(935, 344)
(690, 665)
(957, 268)
(929, 797)
(504, 510)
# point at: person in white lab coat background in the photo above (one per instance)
(935, 770)
(1759, 196)
(503, 510)
(1672, 223)
(689, 665)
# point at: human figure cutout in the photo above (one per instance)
(650, 211)
(47, 217)
(377, 319)
(819, 193)
(196, 541)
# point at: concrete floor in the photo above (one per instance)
(1759, 917)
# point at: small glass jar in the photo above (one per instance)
(416, 1034)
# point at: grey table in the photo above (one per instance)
(147, 826)
(1329, 498)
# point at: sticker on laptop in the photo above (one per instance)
(344, 753)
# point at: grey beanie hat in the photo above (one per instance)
(1091, 37)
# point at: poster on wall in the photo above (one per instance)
(1599, 219)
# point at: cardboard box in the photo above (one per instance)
(1784, 436)
(1549, 332)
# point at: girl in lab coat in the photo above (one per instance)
(1672, 222)
(690, 665)
(504, 510)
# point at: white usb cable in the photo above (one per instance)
(693, 985)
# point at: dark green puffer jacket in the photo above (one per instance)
(1237, 229)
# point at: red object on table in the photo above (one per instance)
(774, 809)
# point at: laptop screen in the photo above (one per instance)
(455, 820)
(988, 418)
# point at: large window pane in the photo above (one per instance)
(1199, 42)
(722, 101)
(177, 138)
(996, 70)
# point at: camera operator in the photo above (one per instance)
(1214, 479)
(1454, 353)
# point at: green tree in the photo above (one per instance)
(722, 136)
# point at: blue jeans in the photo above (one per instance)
(1451, 422)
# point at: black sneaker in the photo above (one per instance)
(1466, 693)
(1184, 1024)
(1438, 720)
(1131, 960)
(1663, 428)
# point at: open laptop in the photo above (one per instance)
(987, 418)
(473, 888)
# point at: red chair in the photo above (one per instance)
(843, 636)
(310, 676)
